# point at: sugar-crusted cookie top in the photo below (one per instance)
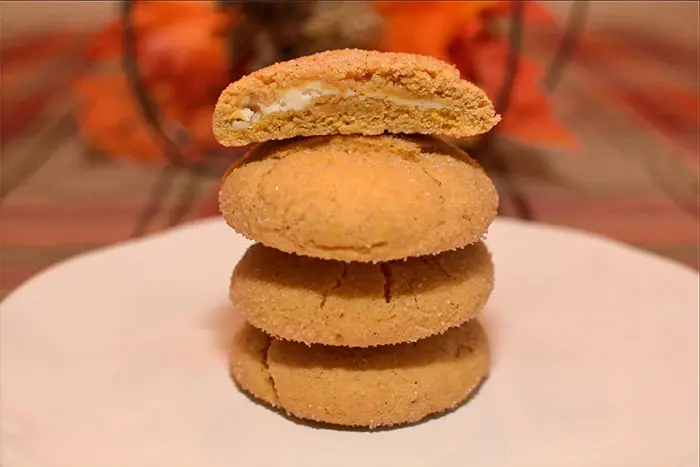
(316, 301)
(336, 67)
(374, 387)
(351, 92)
(359, 198)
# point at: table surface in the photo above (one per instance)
(635, 179)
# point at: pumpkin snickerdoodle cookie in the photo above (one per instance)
(358, 304)
(351, 91)
(373, 387)
(359, 198)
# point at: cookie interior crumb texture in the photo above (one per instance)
(376, 387)
(359, 304)
(351, 92)
(359, 198)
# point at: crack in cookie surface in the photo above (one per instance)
(330, 302)
(381, 386)
(337, 285)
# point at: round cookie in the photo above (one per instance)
(361, 198)
(351, 92)
(376, 387)
(311, 300)
(248, 360)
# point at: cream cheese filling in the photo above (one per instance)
(300, 98)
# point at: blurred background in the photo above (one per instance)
(105, 115)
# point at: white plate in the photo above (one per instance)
(113, 359)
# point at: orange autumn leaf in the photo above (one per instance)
(424, 28)
(189, 58)
(183, 64)
(458, 32)
(175, 39)
(111, 122)
(529, 116)
(147, 16)
(114, 124)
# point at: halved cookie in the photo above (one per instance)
(381, 386)
(359, 198)
(358, 304)
(351, 92)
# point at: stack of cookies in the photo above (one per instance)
(355, 306)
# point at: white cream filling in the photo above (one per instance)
(296, 99)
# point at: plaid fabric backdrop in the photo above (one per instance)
(636, 179)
